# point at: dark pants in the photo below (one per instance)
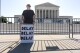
(22, 48)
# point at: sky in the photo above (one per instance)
(9, 8)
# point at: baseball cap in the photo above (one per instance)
(29, 5)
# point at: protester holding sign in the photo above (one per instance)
(27, 31)
(28, 21)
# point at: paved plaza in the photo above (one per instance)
(43, 43)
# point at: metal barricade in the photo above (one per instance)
(9, 25)
(75, 27)
(57, 26)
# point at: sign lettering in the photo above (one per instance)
(26, 33)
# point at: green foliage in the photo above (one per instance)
(3, 19)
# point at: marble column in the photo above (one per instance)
(36, 13)
(57, 13)
(48, 13)
(39, 13)
(54, 13)
(51, 13)
(42, 13)
(45, 13)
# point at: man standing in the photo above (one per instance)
(27, 19)
(28, 15)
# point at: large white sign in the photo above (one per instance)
(27, 33)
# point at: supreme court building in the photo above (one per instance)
(47, 10)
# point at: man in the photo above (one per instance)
(28, 15)
(27, 18)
